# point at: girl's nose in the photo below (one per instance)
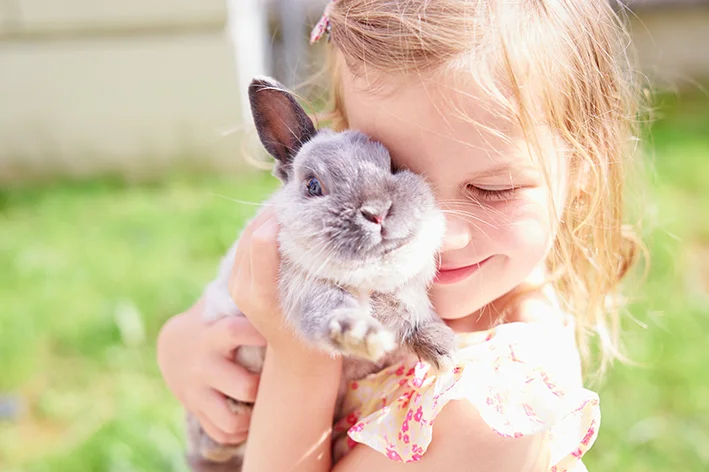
(457, 233)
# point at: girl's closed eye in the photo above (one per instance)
(492, 193)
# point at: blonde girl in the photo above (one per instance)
(520, 114)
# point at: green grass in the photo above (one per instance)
(91, 270)
(656, 413)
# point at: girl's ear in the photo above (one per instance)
(281, 123)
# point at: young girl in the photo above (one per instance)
(520, 115)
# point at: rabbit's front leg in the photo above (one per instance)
(338, 322)
(409, 312)
(434, 342)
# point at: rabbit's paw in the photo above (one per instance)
(434, 343)
(238, 407)
(355, 334)
(213, 451)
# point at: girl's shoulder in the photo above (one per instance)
(523, 377)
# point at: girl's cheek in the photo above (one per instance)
(524, 228)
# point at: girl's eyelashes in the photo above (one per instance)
(492, 194)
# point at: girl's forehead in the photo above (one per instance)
(429, 125)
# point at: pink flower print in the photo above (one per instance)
(415, 458)
(354, 385)
(405, 426)
(589, 435)
(400, 371)
(409, 415)
(418, 381)
(416, 449)
(457, 370)
(577, 453)
(528, 410)
(405, 399)
(351, 443)
(517, 435)
(393, 455)
(411, 371)
(401, 435)
(513, 356)
(551, 386)
(498, 401)
(352, 419)
(406, 439)
(402, 382)
(419, 415)
(357, 428)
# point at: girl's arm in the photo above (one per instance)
(462, 441)
(292, 419)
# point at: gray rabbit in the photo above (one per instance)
(358, 246)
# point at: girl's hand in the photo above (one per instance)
(292, 371)
(254, 282)
(197, 361)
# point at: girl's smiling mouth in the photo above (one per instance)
(451, 275)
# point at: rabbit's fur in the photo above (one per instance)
(356, 262)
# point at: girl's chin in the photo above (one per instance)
(452, 303)
(456, 316)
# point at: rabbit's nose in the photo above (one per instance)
(369, 215)
(375, 213)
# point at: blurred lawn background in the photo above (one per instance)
(91, 270)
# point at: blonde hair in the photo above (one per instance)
(569, 60)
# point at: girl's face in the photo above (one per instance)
(500, 223)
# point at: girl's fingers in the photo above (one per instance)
(240, 281)
(225, 422)
(230, 332)
(255, 248)
(264, 255)
(231, 379)
(217, 434)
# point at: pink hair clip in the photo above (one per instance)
(323, 26)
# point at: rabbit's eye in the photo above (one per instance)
(313, 187)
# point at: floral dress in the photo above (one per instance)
(517, 375)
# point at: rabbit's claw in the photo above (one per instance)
(359, 335)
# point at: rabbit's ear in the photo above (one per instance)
(281, 123)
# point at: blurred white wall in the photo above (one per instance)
(89, 85)
(672, 41)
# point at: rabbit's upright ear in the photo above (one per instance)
(281, 123)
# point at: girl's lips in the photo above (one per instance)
(451, 276)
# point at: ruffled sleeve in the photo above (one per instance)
(517, 376)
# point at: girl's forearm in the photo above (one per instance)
(292, 418)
